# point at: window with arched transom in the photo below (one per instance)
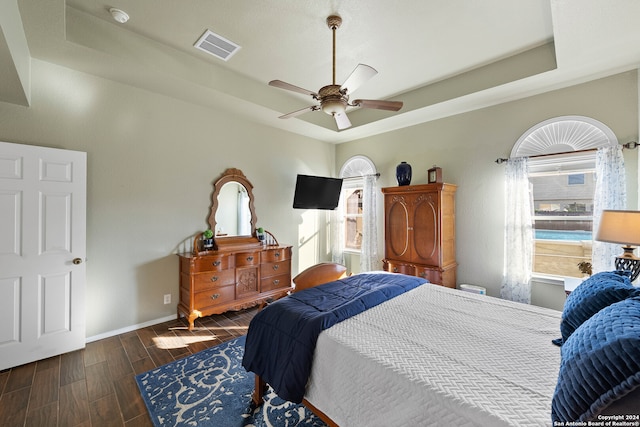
(562, 173)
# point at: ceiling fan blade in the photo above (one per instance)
(378, 105)
(358, 76)
(342, 121)
(301, 111)
(288, 86)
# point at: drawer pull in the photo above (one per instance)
(422, 274)
(276, 282)
(277, 254)
(395, 269)
(216, 263)
(214, 278)
(215, 296)
(249, 258)
(276, 266)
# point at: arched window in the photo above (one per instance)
(562, 160)
(355, 169)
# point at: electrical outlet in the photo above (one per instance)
(167, 299)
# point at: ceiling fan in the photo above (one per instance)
(333, 98)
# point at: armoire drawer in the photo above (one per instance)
(431, 274)
(407, 269)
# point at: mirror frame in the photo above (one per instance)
(232, 175)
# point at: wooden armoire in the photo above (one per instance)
(420, 238)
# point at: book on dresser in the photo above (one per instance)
(419, 223)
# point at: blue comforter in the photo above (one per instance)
(282, 337)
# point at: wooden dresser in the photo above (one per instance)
(419, 223)
(232, 279)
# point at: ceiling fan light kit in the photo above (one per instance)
(333, 98)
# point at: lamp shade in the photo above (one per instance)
(619, 227)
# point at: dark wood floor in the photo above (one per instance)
(96, 386)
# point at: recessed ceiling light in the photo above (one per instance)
(119, 15)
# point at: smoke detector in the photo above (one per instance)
(119, 15)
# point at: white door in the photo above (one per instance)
(42, 252)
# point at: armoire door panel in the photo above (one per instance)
(398, 229)
(425, 230)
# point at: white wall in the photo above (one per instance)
(152, 161)
(466, 146)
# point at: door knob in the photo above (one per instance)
(77, 261)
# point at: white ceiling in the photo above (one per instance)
(439, 57)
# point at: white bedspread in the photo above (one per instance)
(441, 357)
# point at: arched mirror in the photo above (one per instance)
(232, 209)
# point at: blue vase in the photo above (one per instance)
(403, 173)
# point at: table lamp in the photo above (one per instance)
(622, 227)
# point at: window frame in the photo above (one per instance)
(568, 163)
(353, 172)
(352, 186)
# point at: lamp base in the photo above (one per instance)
(628, 262)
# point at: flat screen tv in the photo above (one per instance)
(316, 192)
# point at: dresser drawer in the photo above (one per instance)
(202, 281)
(211, 263)
(275, 268)
(214, 296)
(275, 255)
(247, 259)
(275, 282)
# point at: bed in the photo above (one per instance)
(434, 356)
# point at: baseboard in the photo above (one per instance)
(129, 328)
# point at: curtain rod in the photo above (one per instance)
(377, 175)
(629, 145)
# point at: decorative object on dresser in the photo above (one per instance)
(434, 175)
(419, 222)
(207, 242)
(242, 271)
(403, 173)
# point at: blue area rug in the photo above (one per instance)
(211, 388)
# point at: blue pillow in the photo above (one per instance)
(595, 293)
(600, 363)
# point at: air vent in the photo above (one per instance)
(217, 45)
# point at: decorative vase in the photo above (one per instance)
(403, 173)
(208, 244)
